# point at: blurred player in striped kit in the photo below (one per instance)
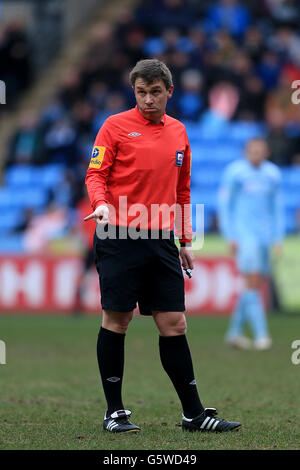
(251, 220)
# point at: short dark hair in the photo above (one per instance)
(151, 70)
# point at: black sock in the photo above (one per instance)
(110, 353)
(176, 359)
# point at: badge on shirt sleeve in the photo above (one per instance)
(97, 157)
(179, 158)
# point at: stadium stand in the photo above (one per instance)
(232, 62)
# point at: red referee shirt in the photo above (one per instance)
(147, 163)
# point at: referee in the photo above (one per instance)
(141, 161)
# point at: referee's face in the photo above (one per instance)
(152, 98)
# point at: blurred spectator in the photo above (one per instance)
(284, 11)
(70, 89)
(223, 102)
(178, 62)
(132, 47)
(156, 15)
(126, 90)
(269, 69)
(253, 42)
(197, 41)
(286, 43)
(83, 114)
(60, 143)
(96, 94)
(218, 58)
(250, 85)
(229, 15)
(296, 161)
(53, 111)
(190, 100)
(25, 146)
(24, 221)
(44, 228)
(67, 192)
(15, 58)
(102, 43)
(282, 147)
(252, 99)
(114, 104)
(174, 13)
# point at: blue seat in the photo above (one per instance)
(206, 197)
(242, 131)
(23, 198)
(291, 177)
(51, 175)
(290, 218)
(213, 127)
(193, 133)
(209, 165)
(228, 152)
(20, 175)
(34, 198)
(201, 152)
(24, 176)
(217, 152)
(10, 219)
(6, 196)
(203, 177)
(291, 198)
(11, 244)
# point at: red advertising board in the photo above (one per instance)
(39, 285)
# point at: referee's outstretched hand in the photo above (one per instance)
(187, 257)
(100, 215)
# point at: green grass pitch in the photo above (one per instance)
(51, 398)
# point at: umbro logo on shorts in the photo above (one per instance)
(134, 134)
(113, 379)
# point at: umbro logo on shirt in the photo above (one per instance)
(134, 134)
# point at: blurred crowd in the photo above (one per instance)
(15, 58)
(251, 49)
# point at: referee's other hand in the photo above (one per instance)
(100, 215)
(187, 257)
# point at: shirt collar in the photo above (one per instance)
(147, 121)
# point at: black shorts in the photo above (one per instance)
(143, 271)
